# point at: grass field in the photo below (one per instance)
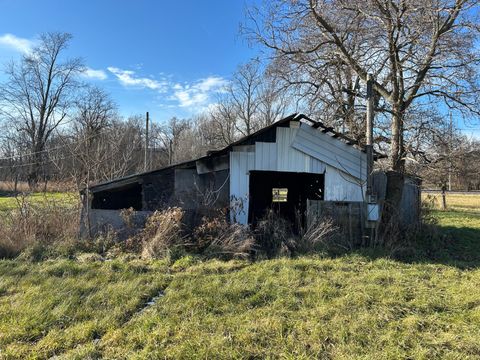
(11, 202)
(352, 307)
(455, 201)
(358, 306)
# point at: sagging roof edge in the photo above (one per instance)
(292, 117)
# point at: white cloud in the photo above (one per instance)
(128, 78)
(199, 93)
(192, 95)
(16, 43)
(94, 74)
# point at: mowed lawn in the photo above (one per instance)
(352, 307)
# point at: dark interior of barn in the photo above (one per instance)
(286, 193)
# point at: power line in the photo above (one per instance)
(46, 150)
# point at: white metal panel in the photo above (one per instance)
(265, 156)
(340, 186)
(331, 151)
(316, 166)
(288, 158)
(240, 165)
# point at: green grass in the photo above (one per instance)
(55, 306)
(351, 307)
(8, 203)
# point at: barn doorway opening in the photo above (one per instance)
(284, 192)
(128, 196)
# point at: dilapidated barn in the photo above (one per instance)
(283, 166)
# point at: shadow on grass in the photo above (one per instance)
(454, 241)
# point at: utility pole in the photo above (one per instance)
(369, 134)
(450, 145)
(373, 214)
(145, 165)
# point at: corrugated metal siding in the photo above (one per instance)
(283, 155)
(266, 156)
(330, 151)
(280, 156)
(316, 166)
(240, 164)
(290, 159)
(340, 186)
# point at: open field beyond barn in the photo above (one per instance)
(355, 306)
(455, 200)
(11, 202)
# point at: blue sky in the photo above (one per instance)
(166, 57)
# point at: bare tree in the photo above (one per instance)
(254, 99)
(38, 93)
(170, 136)
(95, 112)
(418, 52)
(243, 92)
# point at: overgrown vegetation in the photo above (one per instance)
(38, 227)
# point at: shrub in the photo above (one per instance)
(320, 235)
(45, 229)
(216, 237)
(162, 233)
(275, 235)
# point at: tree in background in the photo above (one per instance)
(94, 115)
(253, 99)
(419, 53)
(38, 95)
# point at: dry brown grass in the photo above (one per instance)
(35, 226)
(319, 234)
(162, 233)
(455, 201)
(216, 237)
(22, 186)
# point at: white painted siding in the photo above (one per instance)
(290, 159)
(240, 165)
(280, 156)
(340, 186)
(266, 156)
(298, 150)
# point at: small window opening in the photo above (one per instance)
(279, 194)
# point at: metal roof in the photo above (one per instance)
(213, 153)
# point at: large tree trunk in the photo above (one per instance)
(33, 176)
(391, 215)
